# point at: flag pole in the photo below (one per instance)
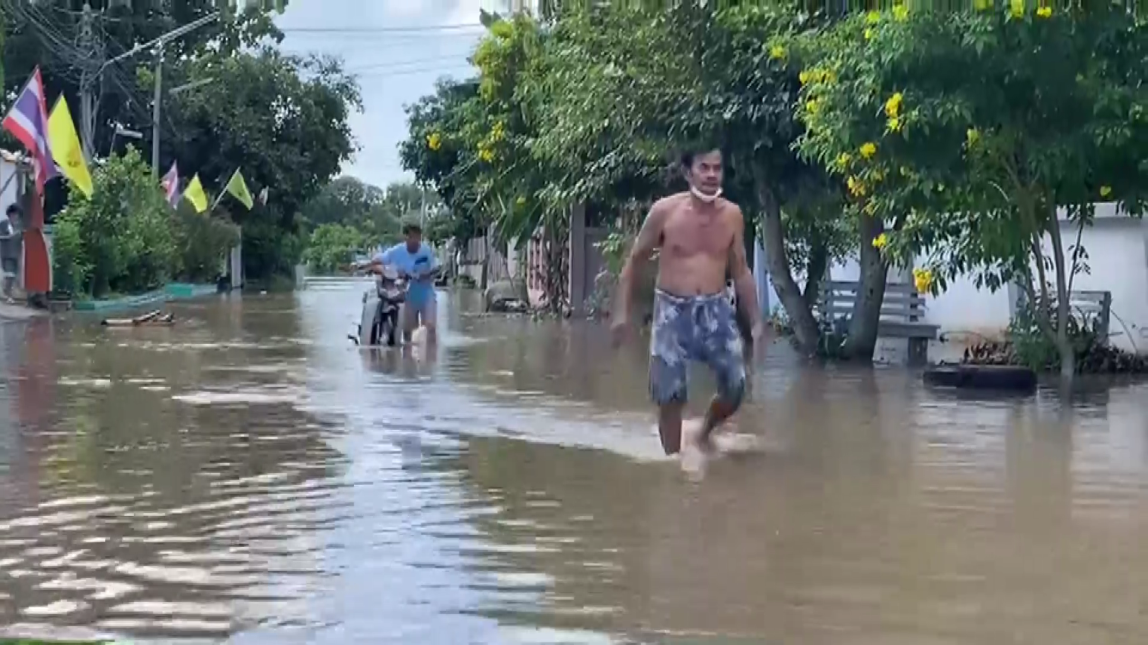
(219, 197)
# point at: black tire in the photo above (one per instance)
(377, 332)
(1010, 378)
(390, 330)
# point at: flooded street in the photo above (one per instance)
(249, 475)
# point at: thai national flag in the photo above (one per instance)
(28, 122)
(171, 185)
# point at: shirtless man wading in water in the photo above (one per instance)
(701, 238)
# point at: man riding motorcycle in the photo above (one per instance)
(416, 261)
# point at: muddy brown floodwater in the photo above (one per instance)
(248, 475)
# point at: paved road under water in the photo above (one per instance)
(248, 475)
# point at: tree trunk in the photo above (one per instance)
(484, 275)
(815, 268)
(862, 339)
(1063, 346)
(805, 329)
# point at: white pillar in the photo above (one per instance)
(761, 278)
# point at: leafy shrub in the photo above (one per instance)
(202, 244)
(121, 240)
(1035, 349)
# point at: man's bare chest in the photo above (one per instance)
(688, 234)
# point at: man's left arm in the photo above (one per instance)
(743, 282)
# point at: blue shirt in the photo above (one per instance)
(417, 264)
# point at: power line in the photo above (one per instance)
(461, 57)
(379, 30)
(406, 72)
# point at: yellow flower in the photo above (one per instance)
(868, 34)
(873, 17)
(843, 160)
(880, 241)
(434, 141)
(803, 77)
(900, 13)
(1016, 8)
(486, 154)
(812, 107)
(972, 136)
(870, 208)
(1105, 191)
(923, 280)
(777, 52)
(1044, 12)
(856, 186)
(868, 150)
(893, 105)
(878, 175)
(894, 124)
(982, 5)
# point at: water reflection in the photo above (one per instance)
(249, 474)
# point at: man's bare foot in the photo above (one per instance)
(693, 438)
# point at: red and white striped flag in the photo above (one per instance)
(170, 185)
(28, 122)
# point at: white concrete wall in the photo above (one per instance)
(1117, 248)
(8, 195)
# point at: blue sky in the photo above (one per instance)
(397, 48)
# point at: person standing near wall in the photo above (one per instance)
(9, 249)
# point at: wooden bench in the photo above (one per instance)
(901, 313)
(1091, 305)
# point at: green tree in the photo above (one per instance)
(121, 240)
(376, 213)
(3, 29)
(284, 121)
(345, 200)
(333, 246)
(437, 153)
(962, 134)
(48, 33)
(626, 91)
(202, 244)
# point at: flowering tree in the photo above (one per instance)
(960, 135)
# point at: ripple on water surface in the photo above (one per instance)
(249, 475)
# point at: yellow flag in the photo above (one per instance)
(66, 150)
(238, 188)
(194, 194)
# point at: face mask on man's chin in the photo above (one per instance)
(703, 196)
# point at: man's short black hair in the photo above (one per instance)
(412, 227)
(688, 154)
(13, 209)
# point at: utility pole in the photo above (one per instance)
(87, 79)
(423, 207)
(156, 102)
(87, 125)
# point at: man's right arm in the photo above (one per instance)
(649, 237)
(376, 264)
